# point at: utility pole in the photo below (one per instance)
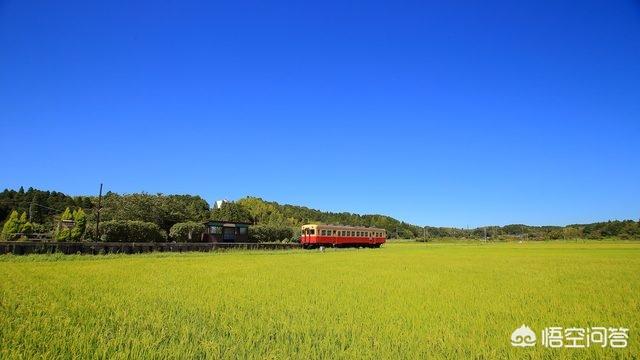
(485, 234)
(31, 209)
(98, 213)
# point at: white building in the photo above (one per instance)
(218, 203)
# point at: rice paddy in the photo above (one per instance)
(405, 300)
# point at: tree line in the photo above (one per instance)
(181, 218)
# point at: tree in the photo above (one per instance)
(11, 227)
(187, 232)
(67, 215)
(231, 212)
(162, 210)
(23, 219)
(80, 224)
(27, 228)
(63, 231)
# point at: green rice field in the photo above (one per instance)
(405, 300)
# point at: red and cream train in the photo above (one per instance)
(314, 235)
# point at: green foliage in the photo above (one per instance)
(230, 211)
(11, 227)
(187, 232)
(163, 210)
(274, 214)
(80, 224)
(27, 228)
(66, 215)
(167, 210)
(63, 234)
(74, 232)
(269, 233)
(131, 231)
(39, 228)
(51, 202)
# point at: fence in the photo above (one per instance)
(95, 248)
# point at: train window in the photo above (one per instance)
(312, 231)
(323, 232)
(334, 233)
(357, 233)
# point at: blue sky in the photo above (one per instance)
(446, 113)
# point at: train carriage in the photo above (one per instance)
(314, 235)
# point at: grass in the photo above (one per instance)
(405, 300)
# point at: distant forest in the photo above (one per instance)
(43, 209)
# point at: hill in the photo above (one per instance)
(167, 210)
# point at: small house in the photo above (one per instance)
(226, 231)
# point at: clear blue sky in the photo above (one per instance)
(452, 113)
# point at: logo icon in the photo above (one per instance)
(523, 337)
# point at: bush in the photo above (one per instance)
(39, 228)
(187, 232)
(267, 233)
(131, 231)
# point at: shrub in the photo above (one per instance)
(187, 232)
(268, 233)
(131, 231)
(39, 228)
